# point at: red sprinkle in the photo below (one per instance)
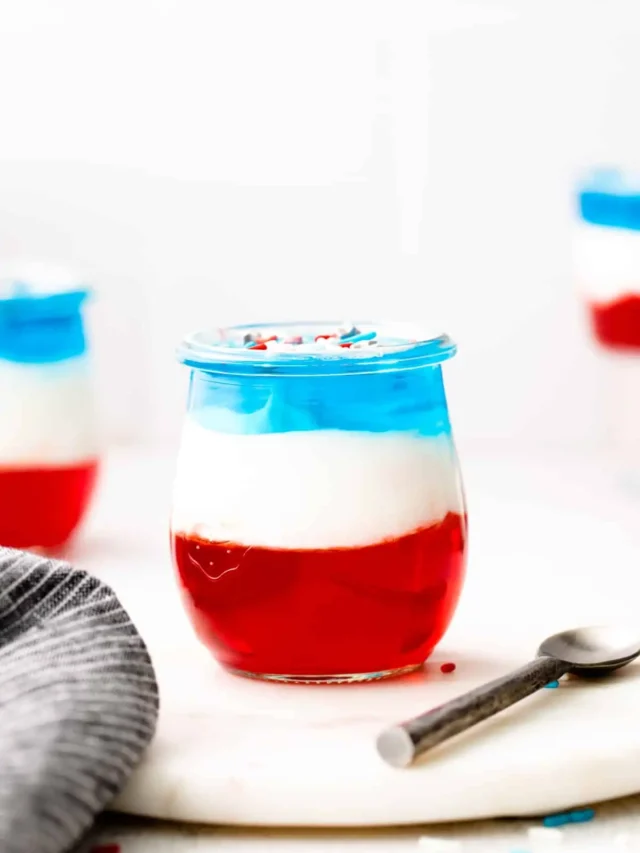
(448, 667)
(324, 337)
(106, 848)
(345, 346)
(258, 346)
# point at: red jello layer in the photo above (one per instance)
(617, 324)
(42, 506)
(322, 612)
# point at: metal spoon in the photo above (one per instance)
(593, 651)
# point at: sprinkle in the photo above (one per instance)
(553, 684)
(106, 848)
(582, 815)
(347, 336)
(363, 336)
(448, 667)
(575, 816)
(554, 820)
(348, 332)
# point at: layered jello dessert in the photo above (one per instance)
(319, 527)
(48, 440)
(607, 270)
(607, 258)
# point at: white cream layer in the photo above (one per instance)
(313, 489)
(46, 414)
(606, 262)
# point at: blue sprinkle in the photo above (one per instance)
(553, 684)
(363, 336)
(582, 815)
(553, 820)
(249, 344)
(348, 335)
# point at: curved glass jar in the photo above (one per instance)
(319, 527)
(606, 260)
(48, 438)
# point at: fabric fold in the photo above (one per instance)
(78, 701)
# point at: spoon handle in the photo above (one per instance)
(401, 744)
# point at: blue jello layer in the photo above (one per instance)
(42, 329)
(412, 400)
(610, 198)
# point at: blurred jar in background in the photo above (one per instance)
(48, 437)
(607, 270)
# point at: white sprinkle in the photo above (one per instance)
(439, 845)
(546, 835)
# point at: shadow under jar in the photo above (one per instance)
(319, 526)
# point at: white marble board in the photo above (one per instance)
(552, 545)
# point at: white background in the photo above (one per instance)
(209, 161)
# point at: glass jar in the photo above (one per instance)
(606, 259)
(48, 440)
(319, 526)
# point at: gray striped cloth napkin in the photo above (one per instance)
(78, 702)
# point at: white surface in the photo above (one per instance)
(622, 404)
(606, 262)
(615, 830)
(40, 276)
(552, 545)
(47, 414)
(313, 488)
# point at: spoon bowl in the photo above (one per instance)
(598, 649)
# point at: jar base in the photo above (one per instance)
(336, 678)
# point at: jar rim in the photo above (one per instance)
(403, 346)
